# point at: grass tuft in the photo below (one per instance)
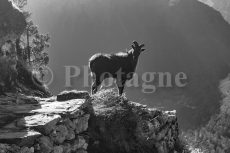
(108, 97)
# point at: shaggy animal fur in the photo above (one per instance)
(119, 66)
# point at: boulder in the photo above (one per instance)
(74, 94)
(81, 123)
(45, 144)
(58, 149)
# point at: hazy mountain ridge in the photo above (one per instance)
(221, 5)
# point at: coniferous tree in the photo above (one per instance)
(31, 46)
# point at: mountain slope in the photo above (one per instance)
(187, 37)
(180, 36)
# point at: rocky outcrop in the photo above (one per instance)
(101, 123)
(119, 125)
(12, 22)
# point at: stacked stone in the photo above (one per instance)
(65, 137)
(51, 127)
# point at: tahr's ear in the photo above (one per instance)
(142, 45)
(133, 47)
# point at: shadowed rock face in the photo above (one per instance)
(15, 76)
(12, 24)
(12, 21)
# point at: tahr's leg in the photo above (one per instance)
(95, 85)
(120, 86)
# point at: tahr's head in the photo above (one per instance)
(137, 49)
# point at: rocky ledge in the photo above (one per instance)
(104, 122)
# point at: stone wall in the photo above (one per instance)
(43, 125)
(74, 122)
